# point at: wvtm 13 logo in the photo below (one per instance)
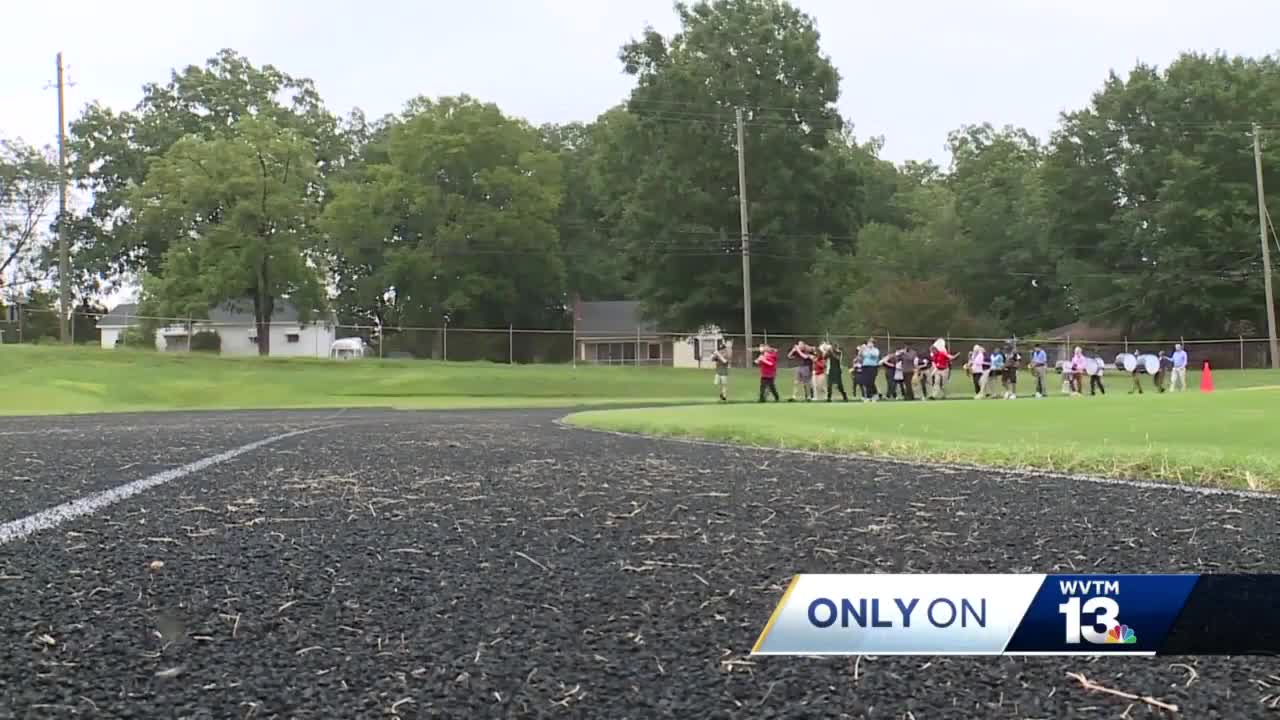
(1094, 620)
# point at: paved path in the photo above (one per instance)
(494, 564)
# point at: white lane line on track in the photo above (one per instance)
(1003, 472)
(23, 528)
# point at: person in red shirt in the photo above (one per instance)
(941, 369)
(767, 360)
(820, 371)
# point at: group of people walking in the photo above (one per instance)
(909, 374)
(819, 372)
(1168, 372)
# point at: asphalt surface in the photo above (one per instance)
(478, 564)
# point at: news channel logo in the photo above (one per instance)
(990, 614)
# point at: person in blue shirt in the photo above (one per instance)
(870, 366)
(995, 368)
(1179, 368)
(1040, 366)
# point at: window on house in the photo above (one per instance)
(655, 351)
(292, 337)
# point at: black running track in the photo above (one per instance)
(495, 564)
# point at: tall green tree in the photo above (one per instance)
(595, 264)
(680, 212)
(452, 220)
(1006, 266)
(1155, 206)
(28, 191)
(111, 151)
(237, 211)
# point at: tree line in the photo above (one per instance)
(234, 181)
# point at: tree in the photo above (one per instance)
(451, 219)
(1005, 266)
(112, 152)
(595, 263)
(1155, 206)
(679, 213)
(28, 189)
(237, 213)
(909, 308)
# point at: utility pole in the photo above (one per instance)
(746, 236)
(1266, 253)
(64, 256)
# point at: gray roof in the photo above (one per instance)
(125, 314)
(611, 318)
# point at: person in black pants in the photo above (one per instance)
(835, 374)
(907, 363)
(1095, 380)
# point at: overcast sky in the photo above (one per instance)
(912, 70)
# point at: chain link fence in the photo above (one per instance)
(625, 347)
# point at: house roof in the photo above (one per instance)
(611, 318)
(1086, 331)
(126, 315)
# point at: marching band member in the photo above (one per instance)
(1077, 371)
(802, 354)
(940, 373)
(1095, 380)
(995, 367)
(975, 365)
(768, 362)
(870, 364)
(1012, 362)
(1039, 366)
(1179, 368)
(721, 358)
(835, 379)
(1137, 374)
(820, 372)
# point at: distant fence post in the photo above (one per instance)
(1241, 352)
(888, 342)
(1126, 344)
(638, 347)
(444, 343)
(511, 344)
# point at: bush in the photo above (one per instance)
(206, 341)
(137, 338)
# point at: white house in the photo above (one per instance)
(236, 329)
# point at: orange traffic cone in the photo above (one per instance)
(1206, 379)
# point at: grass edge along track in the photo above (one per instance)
(1216, 440)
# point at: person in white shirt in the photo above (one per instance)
(1179, 376)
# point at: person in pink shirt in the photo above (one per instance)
(976, 366)
(1077, 370)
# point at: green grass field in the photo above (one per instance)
(37, 380)
(1221, 439)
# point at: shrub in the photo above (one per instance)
(206, 341)
(137, 338)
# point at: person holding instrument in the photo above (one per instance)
(835, 376)
(721, 358)
(767, 361)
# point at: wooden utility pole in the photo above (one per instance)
(64, 256)
(746, 235)
(1266, 253)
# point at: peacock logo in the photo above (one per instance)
(1122, 634)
